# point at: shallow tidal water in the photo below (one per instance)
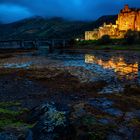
(117, 68)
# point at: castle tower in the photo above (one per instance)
(127, 19)
(137, 23)
(126, 8)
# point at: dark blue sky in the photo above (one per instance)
(12, 10)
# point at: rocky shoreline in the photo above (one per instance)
(50, 101)
(54, 104)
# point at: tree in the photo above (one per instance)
(105, 39)
(130, 37)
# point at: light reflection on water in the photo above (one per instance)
(124, 70)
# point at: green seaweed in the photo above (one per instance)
(8, 104)
(89, 120)
(134, 122)
(13, 123)
(12, 118)
(9, 112)
(96, 135)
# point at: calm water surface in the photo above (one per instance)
(121, 66)
(116, 68)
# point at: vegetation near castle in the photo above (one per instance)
(132, 37)
(104, 40)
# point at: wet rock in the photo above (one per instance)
(114, 137)
(137, 113)
(44, 74)
(100, 103)
(126, 132)
(78, 111)
(131, 115)
(83, 74)
(114, 111)
(105, 105)
(106, 121)
(112, 88)
(21, 65)
(17, 133)
(50, 123)
(7, 136)
(86, 125)
(132, 90)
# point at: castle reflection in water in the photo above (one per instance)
(123, 70)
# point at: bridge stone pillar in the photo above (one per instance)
(61, 50)
(35, 44)
(22, 44)
(52, 46)
(64, 43)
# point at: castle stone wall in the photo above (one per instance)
(110, 30)
(137, 24)
(91, 35)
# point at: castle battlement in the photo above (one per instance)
(128, 10)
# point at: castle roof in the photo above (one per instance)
(135, 9)
(127, 9)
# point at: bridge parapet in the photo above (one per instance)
(35, 43)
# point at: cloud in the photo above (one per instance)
(9, 12)
(71, 9)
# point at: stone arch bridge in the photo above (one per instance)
(35, 43)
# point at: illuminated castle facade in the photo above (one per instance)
(128, 19)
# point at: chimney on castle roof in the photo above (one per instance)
(126, 7)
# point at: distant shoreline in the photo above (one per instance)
(77, 48)
(107, 47)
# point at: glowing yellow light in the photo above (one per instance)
(119, 66)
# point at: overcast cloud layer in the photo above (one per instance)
(13, 10)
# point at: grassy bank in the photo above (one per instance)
(109, 47)
(106, 43)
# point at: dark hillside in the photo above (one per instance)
(39, 27)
